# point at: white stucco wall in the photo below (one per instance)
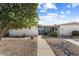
(66, 30)
(21, 32)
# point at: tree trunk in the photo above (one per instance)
(2, 33)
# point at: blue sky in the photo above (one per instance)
(57, 13)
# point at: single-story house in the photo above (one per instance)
(62, 29)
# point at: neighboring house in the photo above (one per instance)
(62, 29)
(66, 29)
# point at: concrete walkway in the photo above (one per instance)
(43, 48)
(72, 41)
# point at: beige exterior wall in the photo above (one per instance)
(66, 30)
(26, 32)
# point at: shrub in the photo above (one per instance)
(75, 33)
(54, 34)
(44, 33)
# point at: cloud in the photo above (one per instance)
(68, 12)
(47, 23)
(47, 6)
(42, 10)
(68, 21)
(50, 6)
(62, 12)
(76, 20)
(68, 6)
(62, 21)
(62, 16)
(48, 17)
(74, 4)
(39, 5)
(51, 16)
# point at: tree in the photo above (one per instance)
(17, 15)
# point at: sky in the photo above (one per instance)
(57, 13)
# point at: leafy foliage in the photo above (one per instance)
(18, 15)
(54, 34)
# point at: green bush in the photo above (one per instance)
(54, 34)
(75, 33)
(44, 33)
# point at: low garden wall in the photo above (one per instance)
(23, 32)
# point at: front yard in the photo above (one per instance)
(28, 47)
(18, 47)
(62, 47)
